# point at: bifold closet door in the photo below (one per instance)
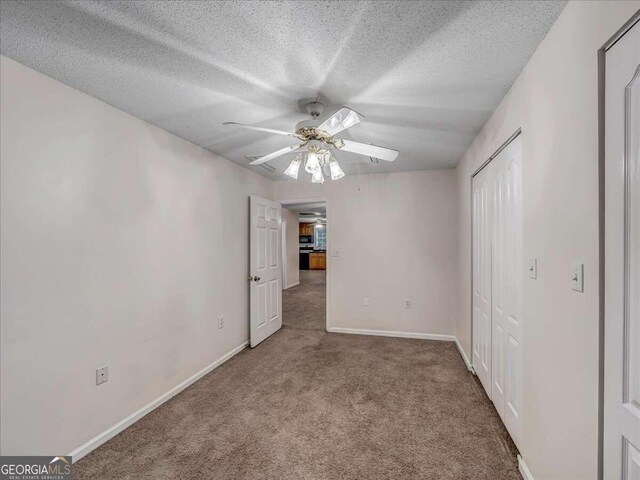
(507, 267)
(497, 282)
(622, 259)
(482, 208)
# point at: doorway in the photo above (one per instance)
(304, 296)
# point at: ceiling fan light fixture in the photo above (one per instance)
(294, 167)
(317, 176)
(316, 141)
(336, 172)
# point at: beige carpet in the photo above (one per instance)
(303, 306)
(306, 404)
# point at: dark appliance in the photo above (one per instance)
(306, 239)
(304, 261)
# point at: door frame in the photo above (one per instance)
(296, 200)
(602, 55)
(477, 171)
(283, 252)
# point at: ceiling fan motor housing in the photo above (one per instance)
(307, 127)
(315, 109)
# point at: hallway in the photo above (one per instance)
(306, 404)
(304, 306)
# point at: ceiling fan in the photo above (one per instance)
(317, 141)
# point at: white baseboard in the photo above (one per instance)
(292, 285)
(111, 432)
(387, 333)
(524, 470)
(423, 336)
(464, 356)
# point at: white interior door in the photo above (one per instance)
(497, 283)
(482, 237)
(622, 259)
(506, 315)
(264, 269)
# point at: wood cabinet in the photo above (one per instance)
(306, 229)
(317, 261)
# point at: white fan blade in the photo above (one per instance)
(382, 153)
(275, 154)
(339, 121)
(261, 129)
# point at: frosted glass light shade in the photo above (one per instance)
(313, 162)
(317, 176)
(336, 171)
(294, 166)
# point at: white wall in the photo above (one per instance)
(292, 248)
(555, 101)
(121, 244)
(396, 234)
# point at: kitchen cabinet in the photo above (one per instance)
(306, 229)
(318, 261)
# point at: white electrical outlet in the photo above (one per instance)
(221, 321)
(102, 374)
(365, 301)
(408, 303)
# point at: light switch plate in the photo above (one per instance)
(532, 268)
(577, 277)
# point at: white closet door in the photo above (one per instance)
(622, 259)
(507, 288)
(497, 283)
(482, 233)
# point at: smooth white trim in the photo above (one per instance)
(387, 333)
(292, 285)
(111, 432)
(423, 336)
(464, 356)
(524, 470)
(283, 248)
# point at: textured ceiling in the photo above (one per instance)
(426, 75)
